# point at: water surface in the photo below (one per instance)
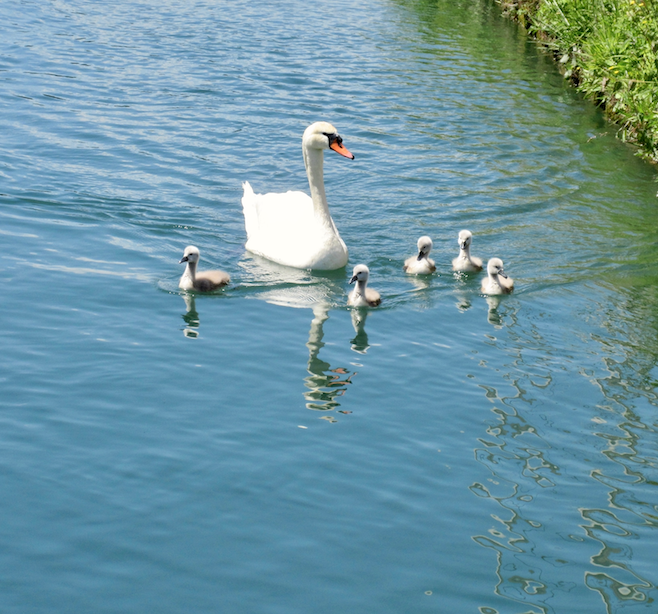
(265, 449)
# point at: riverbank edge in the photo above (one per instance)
(622, 98)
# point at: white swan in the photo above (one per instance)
(291, 228)
(362, 296)
(465, 262)
(497, 281)
(203, 282)
(421, 264)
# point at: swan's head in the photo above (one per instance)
(191, 254)
(360, 273)
(322, 135)
(495, 267)
(465, 237)
(424, 247)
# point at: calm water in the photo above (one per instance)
(257, 451)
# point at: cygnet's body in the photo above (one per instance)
(497, 281)
(421, 264)
(465, 262)
(204, 281)
(362, 296)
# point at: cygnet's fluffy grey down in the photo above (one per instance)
(465, 262)
(497, 281)
(204, 281)
(362, 296)
(421, 264)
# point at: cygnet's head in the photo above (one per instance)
(360, 273)
(465, 238)
(424, 247)
(495, 267)
(191, 254)
(322, 135)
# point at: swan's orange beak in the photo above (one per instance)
(338, 148)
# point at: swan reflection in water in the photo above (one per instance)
(324, 384)
(290, 287)
(191, 317)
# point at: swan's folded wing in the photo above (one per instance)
(276, 215)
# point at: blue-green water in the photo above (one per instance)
(253, 451)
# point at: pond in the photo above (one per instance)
(264, 448)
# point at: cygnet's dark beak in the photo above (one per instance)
(353, 279)
(421, 255)
(183, 259)
(502, 273)
(462, 245)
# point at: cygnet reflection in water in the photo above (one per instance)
(191, 317)
(493, 316)
(423, 295)
(464, 302)
(360, 342)
(324, 383)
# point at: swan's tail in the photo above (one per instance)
(248, 190)
(250, 210)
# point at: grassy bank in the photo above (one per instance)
(609, 50)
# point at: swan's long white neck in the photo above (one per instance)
(314, 162)
(465, 252)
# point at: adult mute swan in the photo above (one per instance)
(362, 296)
(203, 282)
(290, 228)
(421, 264)
(497, 281)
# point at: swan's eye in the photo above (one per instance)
(333, 138)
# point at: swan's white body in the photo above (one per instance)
(421, 264)
(292, 228)
(465, 262)
(497, 281)
(362, 296)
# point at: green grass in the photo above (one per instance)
(609, 50)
